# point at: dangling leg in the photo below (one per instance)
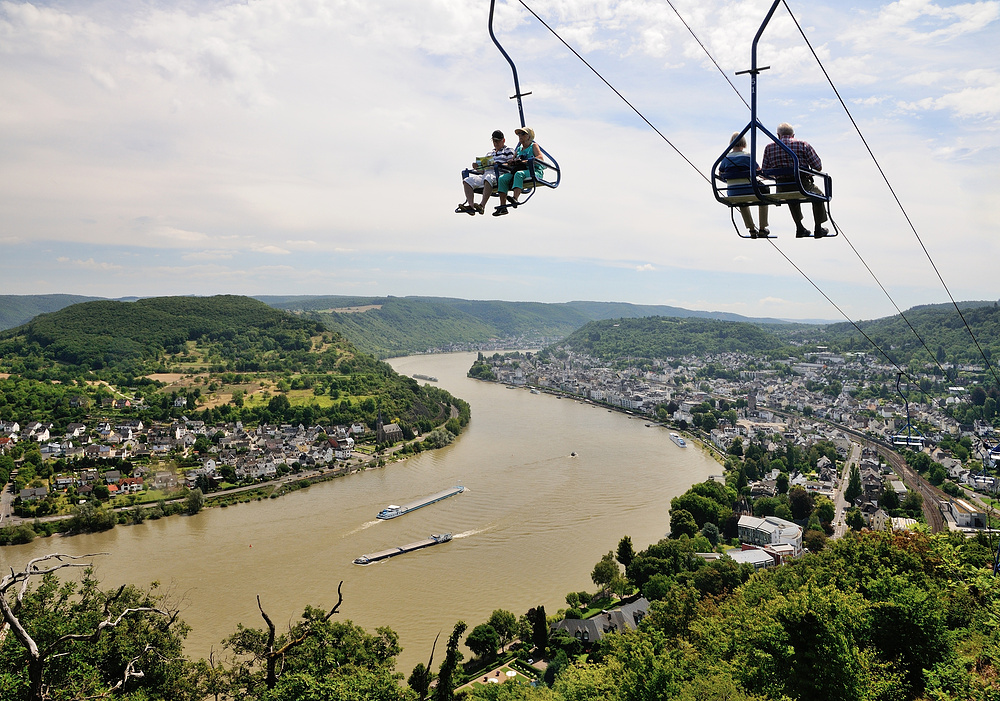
(748, 220)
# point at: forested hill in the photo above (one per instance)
(389, 326)
(230, 353)
(140, 336)
(19, 309)
(940, 327)
(668, 337)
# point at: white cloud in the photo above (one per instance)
(328, 131)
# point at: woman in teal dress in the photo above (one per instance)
(527, 148)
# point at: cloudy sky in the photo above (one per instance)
(314, 147)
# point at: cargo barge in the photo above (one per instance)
(435, 539)
(678, 440)
(429, 378)
(394, 510)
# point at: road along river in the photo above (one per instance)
(529, 528)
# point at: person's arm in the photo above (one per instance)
(537, 152)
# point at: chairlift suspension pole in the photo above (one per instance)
(517, 86)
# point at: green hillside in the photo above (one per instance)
(388, 326)
(666, 337)
(232, 358)
(19, 309)
(137, 336)
(940, 326)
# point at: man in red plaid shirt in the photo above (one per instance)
(777, 157)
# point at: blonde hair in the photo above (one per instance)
(739, 145)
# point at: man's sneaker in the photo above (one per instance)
(820, 232)
(801, 232)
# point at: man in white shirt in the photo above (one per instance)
(485, 178)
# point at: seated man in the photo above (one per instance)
(485, 178)
(776, 157)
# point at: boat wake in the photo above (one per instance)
(362, 527)
(475, 531)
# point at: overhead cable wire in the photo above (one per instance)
(615, 91)
(825, 296)
(689, 162)
(688, 27)
(892, 191)
(863, 262)
(901, 314)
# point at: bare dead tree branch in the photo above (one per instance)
(37, 658)
(272, 656)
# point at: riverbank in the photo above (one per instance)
(19, 531)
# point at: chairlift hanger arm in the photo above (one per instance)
(517, 85)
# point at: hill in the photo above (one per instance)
(19, 309)
(939, 325)
(388, 326)
(140, 336)
(668, 337)
(231, 358)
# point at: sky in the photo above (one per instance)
(315, 147)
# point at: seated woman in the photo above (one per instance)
(527, 148)
(736, 169)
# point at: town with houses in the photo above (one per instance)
(776, 408)
(252, 454)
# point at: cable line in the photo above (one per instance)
(615, 90)
(901, 314)
(797, 268)
(892, 191)
(706, 53)
(860, 330)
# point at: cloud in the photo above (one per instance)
(90, 264)
(645, 268)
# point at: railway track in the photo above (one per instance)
(932, 496)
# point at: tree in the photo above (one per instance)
(711, 531)
(682, 523)
(606, 571)
(889, 500)
(539, 627)
(854, 488)
(195, 501)
(50, 620)
(626, 553)
(855, 520)
(783, 483)
(505, 624)
(800, 502)
(825, 509)
(483, 641)
(736, 447)
(814, 541)
(445, 689)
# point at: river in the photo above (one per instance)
(529, 528)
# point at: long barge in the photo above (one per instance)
(394, 510)
(678, 440)
(435, 539)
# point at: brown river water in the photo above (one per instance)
(529, 528)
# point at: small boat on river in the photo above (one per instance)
(394, 510)
(678, 440)
(435, 539)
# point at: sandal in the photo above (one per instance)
(463, 208)
(512, 203)
(479, 208)
(499, 211)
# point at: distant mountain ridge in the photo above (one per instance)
(20, 309)
(389, 326)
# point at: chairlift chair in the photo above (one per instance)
(753, 191)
